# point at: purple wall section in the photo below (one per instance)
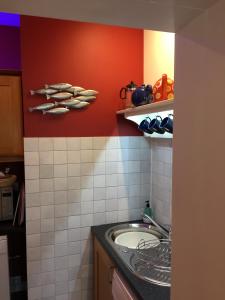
(9, 19)
(10, 48)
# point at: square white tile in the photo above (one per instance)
(59, 143)
(31, 158)
(74, 221)
(99, 206)
(86, 195)
(46, 198)
(99, 143)
(74, 157)
(46, 157)
(61, 250)
(33, 213)
(74, 183)
(61, 210)
(60, 197)
(74, 169)
(74, 209)
(47, 225)
(60, 157)
(32, 186)
(74, 196)
(86, 143)
(60, 170)
(87, 156)
(32, 199)
(31, 172)
(46, 171)
(87, 169)
(45, 144)
(99, 181)
(99, 193)
(61, 223)
(61, 237)
(86, 207)
(87, 182)
(46, 185)
(60, 184)
(73, 143)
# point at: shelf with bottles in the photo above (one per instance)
(139, 113)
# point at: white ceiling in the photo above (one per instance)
(163, 15)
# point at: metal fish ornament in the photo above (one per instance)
(60, 96)
(89, 98)
(42, 107)
(56, 111)
(69, 102)
(43, 92)
(58, 86)
(82, 104)
(75, 90)
(88, 93)
(86, 98)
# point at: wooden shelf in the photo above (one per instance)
(137, 114)
(6, 159)
(148, 108)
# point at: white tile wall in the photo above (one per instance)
(72, 184)
(161, 179)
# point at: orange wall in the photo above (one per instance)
(158, 55)
(100, 57)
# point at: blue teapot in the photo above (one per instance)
(142, 95)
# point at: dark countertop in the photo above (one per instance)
(142, 289)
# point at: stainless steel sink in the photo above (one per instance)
(148, 260)
(113, 233)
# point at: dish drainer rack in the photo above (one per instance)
(152, 261)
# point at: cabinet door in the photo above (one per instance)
(103, 271)
(4, 269)
(11, 143)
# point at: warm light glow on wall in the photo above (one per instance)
(158, 55)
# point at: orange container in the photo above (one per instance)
(163, 89)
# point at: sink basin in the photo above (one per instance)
(131, 239)
(129, 235)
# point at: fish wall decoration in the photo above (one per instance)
(60, 96)
(58, 86)
(42, 107)
(88, 93)
(43, 92)
(66, 96)
(82, 104)
(75, 90)
(56, 111)
(69, 102)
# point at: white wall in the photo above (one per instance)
(199, 160)
(161, 179)
(159, 59)
(72, 184)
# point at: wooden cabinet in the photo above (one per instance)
(11, 129)
(103, 272)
